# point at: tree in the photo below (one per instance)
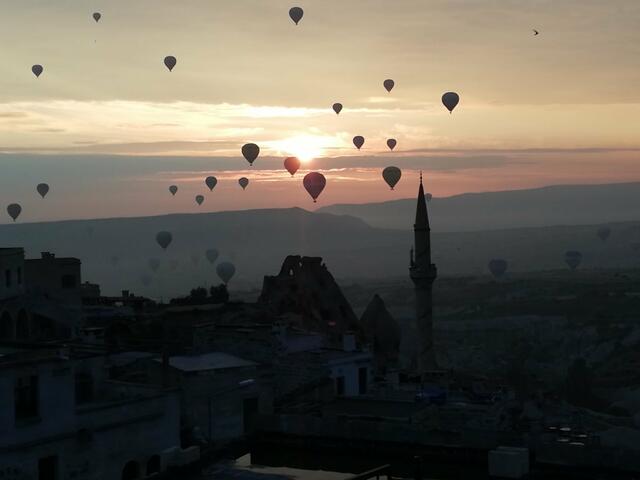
(219, 294)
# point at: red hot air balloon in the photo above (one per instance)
(37, 70)
(358, 141)
(170, 62)
(314, 183)
(391, 143)
(244, 181)
(296, 14)
(292, 164)
(389, 84)
(250, 151)
(337, 107)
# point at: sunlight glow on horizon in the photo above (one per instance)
(306, 147)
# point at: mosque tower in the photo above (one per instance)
(423, 273)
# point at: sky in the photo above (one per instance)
(110, 128)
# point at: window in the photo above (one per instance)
(19, 275)
(68, 281)
(7, 278)
(340, 386)
(26, 397)
(84, 387)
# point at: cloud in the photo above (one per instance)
(12, 115)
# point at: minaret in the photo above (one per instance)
(423, 273)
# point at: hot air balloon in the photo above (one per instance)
(392, 176)
(604, 233)
(573, 259)
(212, 255)
(14, 211)
(154, 264)
(97, 16)
(164, 239)
(37, 70)
(199, 199)
(337, 107)
(173, 189)
(292, 164)
(170, 62)
(250, 151)
(389, 84)
(314, 183)
(358, 141)
(450, 100)
(42, 189)
(225, 271)
(428, 196)
(211, 182)
(296, 14)
(146, 280)
(243, 181)
(391, 143)
(498, 267)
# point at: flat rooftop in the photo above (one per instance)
(207, 361)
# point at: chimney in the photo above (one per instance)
(349, 342)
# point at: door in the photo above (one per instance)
(48, 468)
(363, 380)
(249, 410)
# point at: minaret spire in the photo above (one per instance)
(423, 273)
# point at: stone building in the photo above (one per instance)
(40, 299)
(219, 392)
(55, 278)
(60, 418)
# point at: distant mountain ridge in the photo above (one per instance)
(538, 207)
(115, 252)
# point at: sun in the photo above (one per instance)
(305, 147)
